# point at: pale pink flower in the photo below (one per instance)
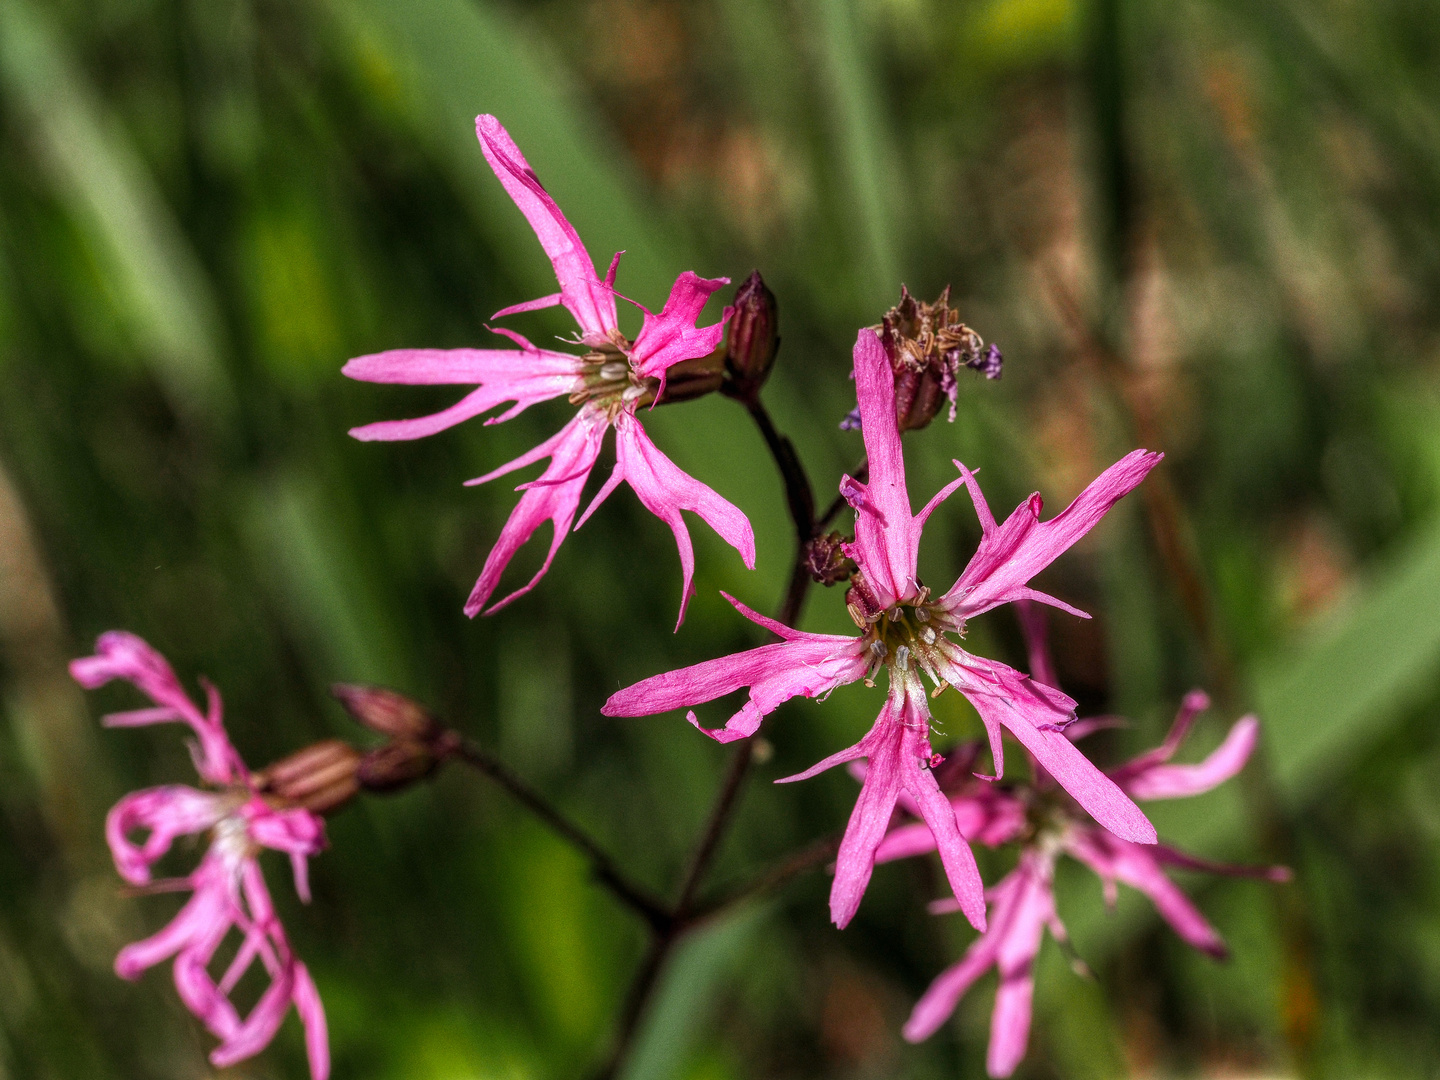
(228, 891)
(1022, 906)
(610, 382)
(908, 632)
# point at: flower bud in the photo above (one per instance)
(695, 378)
(826, 560)
(387, 711)
(751, 339)
(398, 763)
(320, 777)
(928, 345)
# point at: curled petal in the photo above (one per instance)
(554, 497)
(672, 336)
(581, 291)
(167, 812)
(666, 490)
(206, 916)
(1011, 554)
(122, 655)
(1164, 781)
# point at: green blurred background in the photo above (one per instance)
(1213, 224)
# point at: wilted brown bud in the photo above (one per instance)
(928, 345)
(751, 339)
(826, 560)
(387, 711)
(319, 777)
(399, 763)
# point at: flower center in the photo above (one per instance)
(907, 635)
(610, 383)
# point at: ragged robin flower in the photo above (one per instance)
(227, 889)
(1048, 823)
(908, 632)
(609, 380)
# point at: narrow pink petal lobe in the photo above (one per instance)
(581, 291)
(666, 490)
(1165, 781)
(806, 665)
(886, 535)
(672, 336)
(554, 497)
(1011, 554)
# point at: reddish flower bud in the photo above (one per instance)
(320, 777)
(752, 338)
(397, 764)
(387, 711)
(928, 345)
(826, 560)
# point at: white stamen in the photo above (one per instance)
(615, 369)
(927, 635)
(922, 615)
(632, 392)
(902, 657)
(877, 648)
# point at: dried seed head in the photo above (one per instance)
(826, 560)
(927, 345)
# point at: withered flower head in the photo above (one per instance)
(826, 560)
(928, 345)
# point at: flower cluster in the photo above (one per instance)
(1047, 823)
(227, 888)
(912, 800)
(608, 382)
(908, 632)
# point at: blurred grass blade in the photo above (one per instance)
(442, 62)
(163, 289)
(868, 162)
(688, 992)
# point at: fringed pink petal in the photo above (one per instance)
(572, 454)
(582, 293)
(1011, 554)
(167, 812)
(672, 336)
(665, 491)
(312, 1016)
(1165, 781)
(122, 655)
(1116, 860)
(1015, 954)
(886, 535)
(1036, 714)
(806, 665)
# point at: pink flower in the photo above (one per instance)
(609, 382)
(908, 632)
(1023, 904)
(227, 888)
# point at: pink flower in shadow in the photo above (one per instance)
(909, 633)
(227, 889)
(1050, 824)
(609, 382)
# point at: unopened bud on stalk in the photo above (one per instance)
(928, 345)
(386, 711)
(751, 339)
(320, 777)
(403, 762)
(826, 560)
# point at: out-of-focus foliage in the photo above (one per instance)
(1209, 223)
